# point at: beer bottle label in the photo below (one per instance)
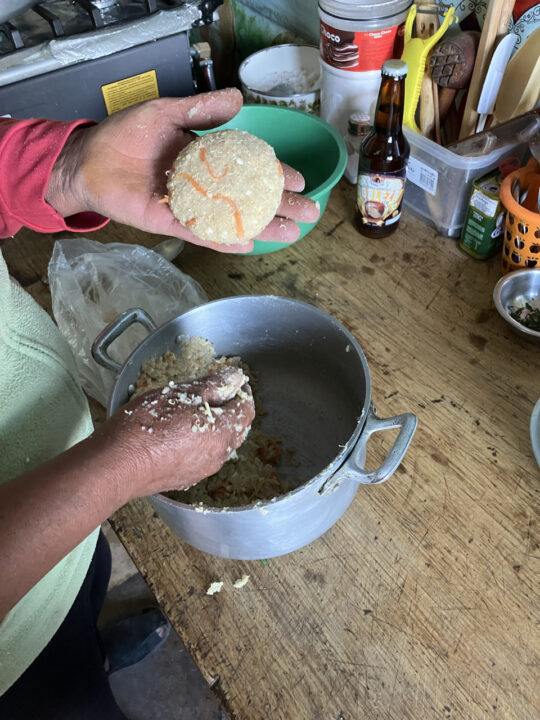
(379, 196)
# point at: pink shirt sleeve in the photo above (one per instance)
(28, 151)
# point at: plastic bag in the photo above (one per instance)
(91, 283)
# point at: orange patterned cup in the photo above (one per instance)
(521, 246)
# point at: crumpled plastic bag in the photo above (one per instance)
(91, 283)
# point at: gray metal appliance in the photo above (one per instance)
(68, 59)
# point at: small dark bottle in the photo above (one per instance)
(383, 158)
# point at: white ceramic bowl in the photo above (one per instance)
(283, 75)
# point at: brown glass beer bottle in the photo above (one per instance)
(383, 158)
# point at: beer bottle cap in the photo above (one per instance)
(394, 68)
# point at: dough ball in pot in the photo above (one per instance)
(226, 186)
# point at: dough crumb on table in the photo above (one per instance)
(215, 587)
(241, 581)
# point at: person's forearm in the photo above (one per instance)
(32, 155)
(47, 512)
(65, 192)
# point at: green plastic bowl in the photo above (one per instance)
(303, 141)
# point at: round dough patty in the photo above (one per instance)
(226, 186)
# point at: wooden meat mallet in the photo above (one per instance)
(451, 65)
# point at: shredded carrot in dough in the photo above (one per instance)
(204, 160)
(217, 196)
(280, 169)
(164, 199)
(190, 222)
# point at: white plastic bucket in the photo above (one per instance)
(356, 37)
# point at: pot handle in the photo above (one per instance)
(350, 469)
(113, 330)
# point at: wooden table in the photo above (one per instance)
(422, 601)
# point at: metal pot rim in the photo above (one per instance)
(237, 298)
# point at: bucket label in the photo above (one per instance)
(379, 196)
(359, 51)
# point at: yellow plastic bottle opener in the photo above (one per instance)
(415, 54)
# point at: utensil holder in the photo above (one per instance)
(521, 245)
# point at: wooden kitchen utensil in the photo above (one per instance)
(451, 66)
(520, 87)
(426, 24)
(498, 12)
(450, 126)
(435, 89)
(427, 20)
(427, 107)
(531, 201)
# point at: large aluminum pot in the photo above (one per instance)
(313, 383)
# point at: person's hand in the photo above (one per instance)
(118, 167)
(181, 434)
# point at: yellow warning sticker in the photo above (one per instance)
(123, 93)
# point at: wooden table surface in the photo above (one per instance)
(422, 601)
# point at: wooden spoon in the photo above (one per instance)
(520, 86)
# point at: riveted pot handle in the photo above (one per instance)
(113, 331)
(407, 423)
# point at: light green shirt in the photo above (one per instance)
(43, 411)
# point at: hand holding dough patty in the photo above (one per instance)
(226, 186)
(117, 168)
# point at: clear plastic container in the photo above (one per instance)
(439, 180)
